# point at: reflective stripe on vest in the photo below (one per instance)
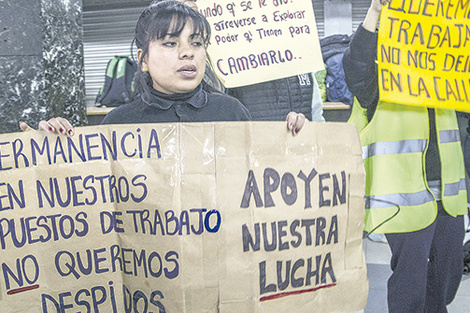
(394, 147)
(447, 136)
(398, 199)
(454, 188)
(407, 146)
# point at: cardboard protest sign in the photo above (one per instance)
(261, 40)
(424, 55)
(206, 217)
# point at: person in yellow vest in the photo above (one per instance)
(415, 182)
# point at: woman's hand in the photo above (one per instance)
(295, 122)
(56, 125)
(377, 5)
(373, 14)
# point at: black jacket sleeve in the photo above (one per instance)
(360, 69)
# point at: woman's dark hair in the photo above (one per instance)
(158, 20)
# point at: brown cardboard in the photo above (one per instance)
(213, 170)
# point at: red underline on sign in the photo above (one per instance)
(297, 292)
(14, 291)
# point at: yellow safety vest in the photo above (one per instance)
(394, 143)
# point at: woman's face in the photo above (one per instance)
(176, 64)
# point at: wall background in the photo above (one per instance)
(41, 62)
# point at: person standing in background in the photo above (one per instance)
(415, 182)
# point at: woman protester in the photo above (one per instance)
(171, 40)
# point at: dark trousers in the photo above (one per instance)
(427, 266)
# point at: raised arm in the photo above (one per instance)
(359, 60)
(373, 14)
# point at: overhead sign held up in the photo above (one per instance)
(424, 53)
(261, 40)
